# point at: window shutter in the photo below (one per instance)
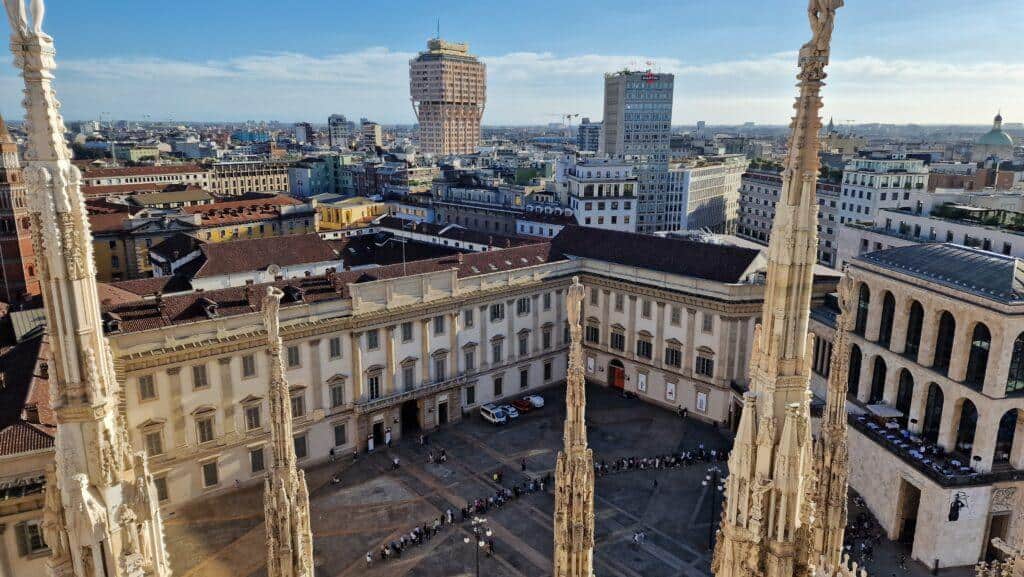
(21, 535)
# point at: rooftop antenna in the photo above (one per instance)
(438, 36)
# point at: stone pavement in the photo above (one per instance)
(374, 505)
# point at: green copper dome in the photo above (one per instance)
(996, 137)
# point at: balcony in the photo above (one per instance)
(364, 406)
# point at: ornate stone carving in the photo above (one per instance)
(1003, 498)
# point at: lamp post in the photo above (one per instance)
(715, 482)
(480, 531)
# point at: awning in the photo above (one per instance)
(885, 411)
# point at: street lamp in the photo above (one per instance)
(480, 530)
(716, 483)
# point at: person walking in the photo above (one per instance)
(369, 558)
(522, 465)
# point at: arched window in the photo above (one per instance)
(877, 381)
(1004, 439)
(932, 414)
(914, 323)
(966, 427)
(905, 395)
(944, 342)
(1015, 380)
(977, 361)
(885, 326)
(853, 375)
(863, 303)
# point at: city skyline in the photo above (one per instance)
(927, 63)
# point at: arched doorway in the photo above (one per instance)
(410, 416)
(966, 427)
(888, 314)
(1005, 437)
(944, 343)
(914, 323)
(977, 361)
(905, 395)
(877, 382)
(616, 374)
(932, 414)
(853, 374)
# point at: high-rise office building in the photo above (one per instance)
(588, 136)
(637, 124)
(340, 130)
(448, 87)
(304, 133)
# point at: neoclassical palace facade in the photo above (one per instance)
(936, 361)
(375, 353)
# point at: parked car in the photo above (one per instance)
(522, 405)
(510, 411)
(493, 414)
(536, 400)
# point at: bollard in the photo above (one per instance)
(935, 567)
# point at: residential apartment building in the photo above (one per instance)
(103, 181)
(409, 347)
(340, 213)
(603, 194)
(370, 136)
(237, 178)
(705, 193)
(759, 192)
(637, 125)
(448, 87)
(870, 184)
(340, 131)
(936, 371)
(588, 136)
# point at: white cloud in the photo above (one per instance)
(523, 87)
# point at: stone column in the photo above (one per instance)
(874, 318)
(948, 423)
(961, 350)
(892, 385)
(722, 354)
(390, 384)
(929, 329)
(901, 317)
(425, 350)
(535, 329)
(1017, 450)
(999, 356)
(867, 369)
(559, 321)
(606, 339)
(659, 335)
(316, 375)
(630, 351)
(357, 365)
(485, 345)
(227, 394)
(918, 403)
(178, 436)
(985, 442)
(511, 337)
(688, 346)
(453, 344)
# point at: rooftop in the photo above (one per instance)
(142, 170)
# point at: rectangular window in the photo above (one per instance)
(645, 309)
(406, 332)
(545, 338)
(373, 385)
(409, 377)
(340, 435)
(147, 390)
(293, 356)
(523, 345)
(298, 406)
(593, 334)
(707, 322)
(199, 377)
(471, 395)
(643, 348)
(372, 339)
(499, 383)
(204, 429)
(439, 325)
(334, 347)
(547, 371)
(497, 312)
(618, 341)
(154, 443)
(160, 483)
(620, 300)
(547, 301)
(252, 417)
(705, 366)
(256, 460)
(593, 297)
(469, 358)
(337, 395)
(467, 318)
(677, 316)
(210, 477)
(300, 447)
(496, 352)
(440, 367)
(524, 378)
(523, 306)
(673, 357)
(248, 366)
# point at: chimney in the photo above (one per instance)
(31, 413)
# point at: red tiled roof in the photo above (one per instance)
(22, 437)
(241, 211)
(25, 387)
(108, 222)
(103, 190)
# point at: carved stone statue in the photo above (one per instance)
(18, 17)
(821, 14)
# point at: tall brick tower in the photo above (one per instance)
(17, 261)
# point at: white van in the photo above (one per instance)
(494, 414)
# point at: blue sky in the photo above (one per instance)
(926, 61)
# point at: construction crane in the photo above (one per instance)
(566, 117)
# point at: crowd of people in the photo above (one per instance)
(863, 534)
(668, 461)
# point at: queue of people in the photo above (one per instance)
(669, 461)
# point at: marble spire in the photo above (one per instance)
(574, 471)
(101, 516)
(769, 503)
(285, 494)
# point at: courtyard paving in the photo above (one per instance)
(373, 504)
